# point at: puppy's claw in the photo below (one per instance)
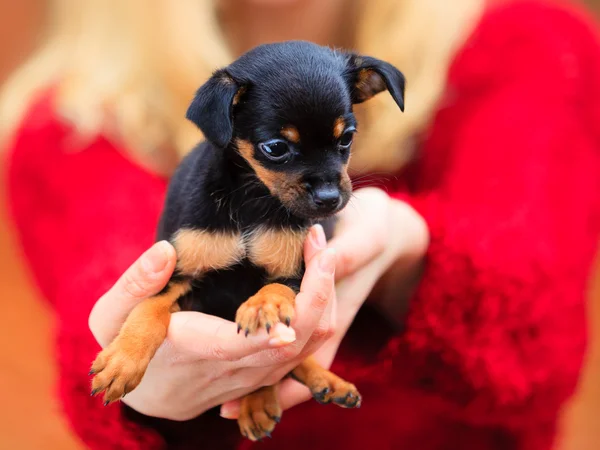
(321, 396)
(349, 401)
(259, 414)
(239, 328)
(275, 419)
(272, 304)
(247, 332)
(94, 392)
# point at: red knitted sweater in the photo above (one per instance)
(508, 180)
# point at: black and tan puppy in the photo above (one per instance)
(278, 124)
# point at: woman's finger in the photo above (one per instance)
(316, 291)
(354, 251)
(315, 242)
(207, 337)
(318, 242)
(290, 391)
(361, 233)
(144, 278)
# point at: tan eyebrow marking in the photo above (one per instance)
(291, 133)
(338, 127)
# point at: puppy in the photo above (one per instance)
(279, 125)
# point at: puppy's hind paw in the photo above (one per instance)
(259, 414)
(117, 372)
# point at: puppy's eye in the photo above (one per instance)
(346, 139)
(275, 150)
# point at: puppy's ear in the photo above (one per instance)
(369, 76)
(212, 107)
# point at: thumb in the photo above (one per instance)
(144, 278)
(315, 242)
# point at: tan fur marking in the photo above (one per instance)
(238, 95)
(272, 180)
(326, 386)
(346, 182)
(199, 250)
(291, 191)
(338, 127)
(369, 83)
(285, 186)
(279, 251)
(119, 368)
(291, 133)
(363, 75)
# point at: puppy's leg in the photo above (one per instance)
(259, 413)
(325, 386)
(272, 304)
(119, 368)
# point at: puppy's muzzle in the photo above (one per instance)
(325, 198)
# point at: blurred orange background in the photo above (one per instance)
(30, 417)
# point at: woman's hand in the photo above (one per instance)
(375, 234)
(204, 362)
(381, 243)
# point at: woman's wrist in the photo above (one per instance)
(408, 244)
(411, 229)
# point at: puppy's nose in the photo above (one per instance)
(326, 197)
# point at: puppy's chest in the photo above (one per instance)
(279, 251)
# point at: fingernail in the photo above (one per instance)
(228, 412)
(156, 258)
(283, 337)
(318, 236)
(327, 261)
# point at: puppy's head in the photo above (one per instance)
(286, 108)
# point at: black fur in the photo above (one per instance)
(216, 189)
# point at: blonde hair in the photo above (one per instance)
(134, 82)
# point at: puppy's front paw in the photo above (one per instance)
(274, 303)
(259, 413)
(118, 369)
